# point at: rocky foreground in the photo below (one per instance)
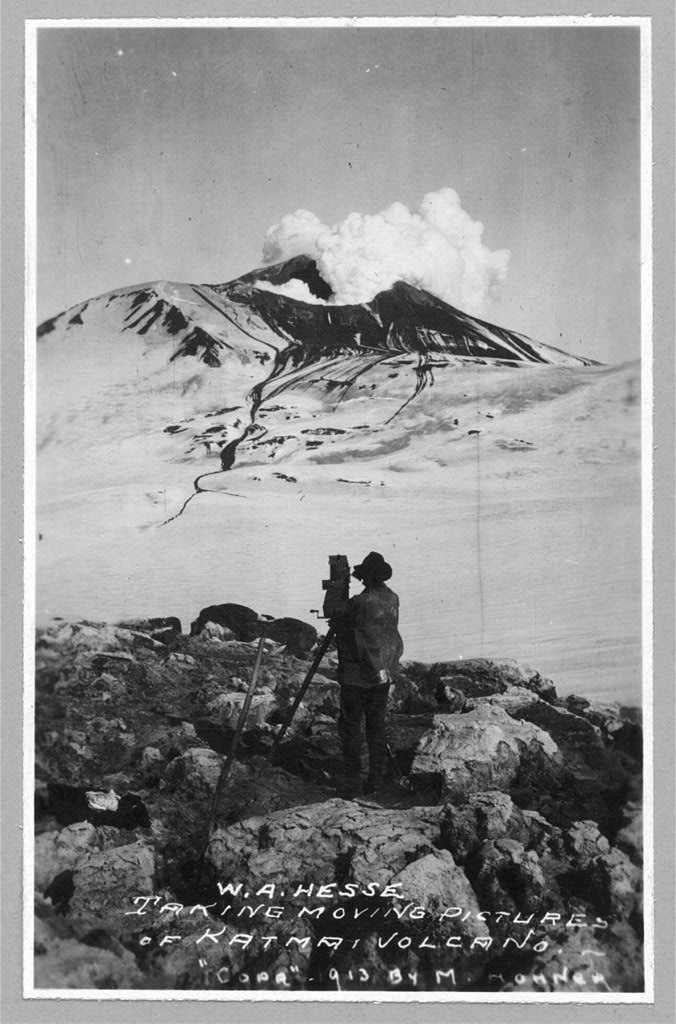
(504, 852)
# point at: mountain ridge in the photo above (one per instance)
(401, 317)
(266, 346)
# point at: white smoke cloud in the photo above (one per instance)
(440, 249)
(295, 289)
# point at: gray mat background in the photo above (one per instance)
(13, 1008)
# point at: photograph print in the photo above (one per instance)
(339, 526)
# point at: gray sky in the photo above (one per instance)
(168, 152)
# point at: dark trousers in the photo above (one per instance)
(357, 703)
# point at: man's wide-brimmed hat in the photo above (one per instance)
(374, 566)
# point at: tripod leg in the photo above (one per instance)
(323, 648)
(225, 770)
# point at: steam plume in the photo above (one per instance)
(438, 249)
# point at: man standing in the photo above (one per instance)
(369, 649)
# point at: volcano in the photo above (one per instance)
(250, 347)
(199, 444)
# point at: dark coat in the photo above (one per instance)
(368, 638)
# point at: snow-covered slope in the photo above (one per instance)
(227, 372)
(204, 443)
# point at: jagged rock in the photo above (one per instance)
(485, 816)
(151, 757)
(181, 659)
(110, 685)
(239, 648)
(55, 852)
(165, 630)
(435, 882)
(56, 633)
(544, 688)
(540, 831)
(451, 701)
(197, 770)
(579, 741)
(214, 631)
(479, 677)
(468, 685)
(509, 876)
(251, 789)
(99, 637)
(321, 697)
(621, 726)
(515, 700)
(616, 884)
(245, 624)
(238, 618)
(227, 708)
(479, 750)
(305, 844)
(298, 637)
(583, 843)
(106, 880)
(116, 713)
(260, 789)
(407, 699)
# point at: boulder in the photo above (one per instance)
(227, 707)
(478, 677)
(620, 726)
(451, 701)
(583, 843)
(177, 658)
(150, 756)
(529, 802)
(406, 697)
(616, 885)
(99, 636)
(109, 686)
(252, 789)
(515, 700)
(314, 842)
(321, 697)
(235, 617)
(239, 649)
(435, 882)
(297, 636)
(483, 749)
(485, 816)
(165, 628)
(106, 882)
(214, 631)
(59, 851)
(579, 741)
(197, 770)
(509, 877)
